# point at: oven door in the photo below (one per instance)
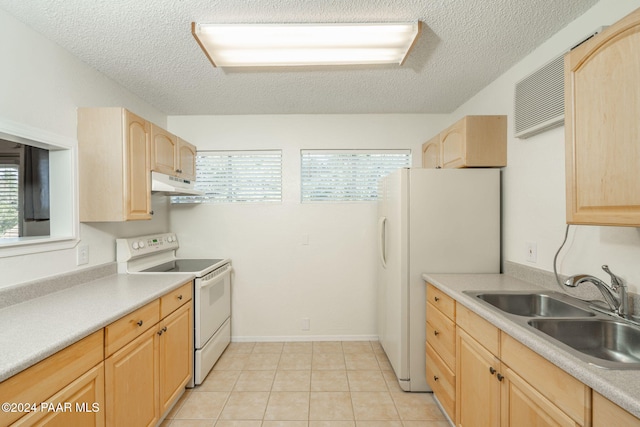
(212, 303)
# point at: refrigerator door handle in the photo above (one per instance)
(382, 240)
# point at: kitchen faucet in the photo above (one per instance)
(615, 295)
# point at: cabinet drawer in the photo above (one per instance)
(566, 392)
(441, 334)
(481, 330)
(444, 302)
(442, 381)
(46, 378)
(130, 326)
(174, 299)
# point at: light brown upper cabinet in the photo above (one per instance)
(113, 164)
(602, 127)
(171, 155)
(473, 141)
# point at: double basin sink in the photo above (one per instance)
(596, 338)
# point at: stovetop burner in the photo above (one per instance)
(182, 266)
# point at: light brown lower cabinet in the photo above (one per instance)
(148, 363)
(144, 378)
(500, 382)
(74, 372)
(606, 414)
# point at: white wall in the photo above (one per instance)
(278, 280)
(41, 86)
(534, 180)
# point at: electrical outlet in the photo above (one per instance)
(531, 254)
(82, 255)
(305, 324)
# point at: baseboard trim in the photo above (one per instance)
(300, 338)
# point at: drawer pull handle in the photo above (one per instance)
(435, 378)
(436, 299)
(180, 297)
(500, 377)
(139, 322)
(436, 333)
(491, 370)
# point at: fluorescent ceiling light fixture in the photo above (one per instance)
(266, 45)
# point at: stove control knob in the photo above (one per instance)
(134, 245)
(141, 244)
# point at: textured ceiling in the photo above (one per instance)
(147, 47)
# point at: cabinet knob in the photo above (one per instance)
(436, 333)
(500, 377)
(163, 330)
(436, 299)
(491, 370)
(435, 378)
(180, 297)
(139, 322)
(151, 212)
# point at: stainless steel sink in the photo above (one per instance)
(612, 344)
(533, 304)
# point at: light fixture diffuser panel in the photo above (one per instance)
(266, 45)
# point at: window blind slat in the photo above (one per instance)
(236, 177)
(353, 175)
(9, 199)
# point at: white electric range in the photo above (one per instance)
(156, 254)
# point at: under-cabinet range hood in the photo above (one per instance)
(173, 186)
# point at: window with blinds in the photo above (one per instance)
(9, 198)
(347, 175)
(237, 177)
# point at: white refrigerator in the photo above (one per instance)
(429, 221)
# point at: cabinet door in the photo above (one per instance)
(602, 106)
(477, 388)
(606, 413)
(523, 406)
(431, 153)
(163, 151)
(80, 404)
(176, 354)
(452, 142)
(131, 383)
(137, 182)
(186, 160)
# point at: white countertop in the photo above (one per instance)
(620, 386)
(35, 329)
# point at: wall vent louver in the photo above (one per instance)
(539, 100)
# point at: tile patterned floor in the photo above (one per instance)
(304, 384)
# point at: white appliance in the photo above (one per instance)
(429, 221)
(211, 294)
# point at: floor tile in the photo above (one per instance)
(288, 406)
(218, 380)
(361, 361)
(245, 405)
(292, 381)
(201, 405)
(330, 406)
(262, 361)
(329, 381)
(366, 381)
(239, 348)
(417, 406)
(268, 423)
(331, 423)
(231, 361)
(238, 423)
(295, 361)
(191, 423)
(327, 347)
(298, 347)
(328, 361)
(255, 381)
(377, 406)
(268, 347)
(178, 405)
(379, 424)
(357, 347)
(426, 424)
